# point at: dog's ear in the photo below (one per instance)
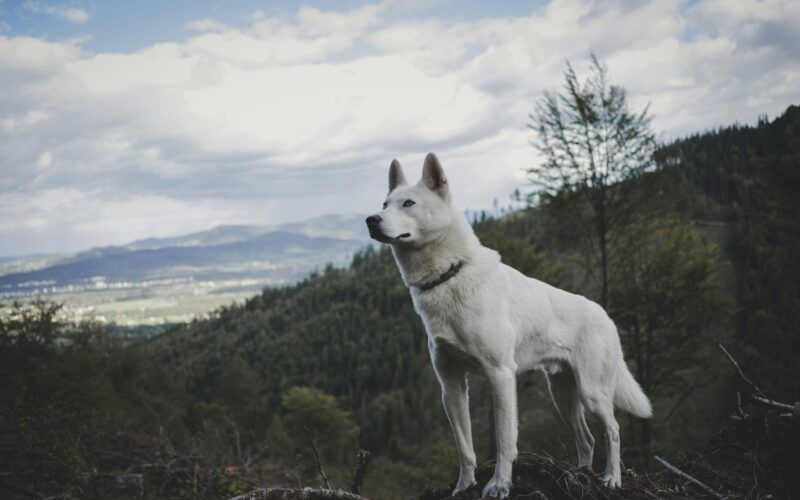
(433, 176)
(396, 175)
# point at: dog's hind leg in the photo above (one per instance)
(566, 397)
(455, 399)
(602, 405)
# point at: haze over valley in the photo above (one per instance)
(175, 279)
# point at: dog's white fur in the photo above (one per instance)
(492, 320)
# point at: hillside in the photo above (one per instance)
(353, 334)
(220, 406)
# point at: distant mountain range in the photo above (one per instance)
(277, 253)
(344, 227)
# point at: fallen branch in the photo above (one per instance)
(741, 374)
(772, 404)
(319, 462)
(297, 494)
(689, 478)
(361, 471)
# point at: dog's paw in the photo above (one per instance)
(463, 484)
(612, 480)
(497, 488)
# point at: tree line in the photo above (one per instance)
(697, 245)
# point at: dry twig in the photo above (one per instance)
(741, 374)
(689, 478)
(319, 462)
(772, 404)
(300, 494)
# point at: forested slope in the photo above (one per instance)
(353, 333)
(220, 406)
(750, 177)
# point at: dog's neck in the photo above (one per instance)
(426, 264)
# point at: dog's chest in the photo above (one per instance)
(451, 319)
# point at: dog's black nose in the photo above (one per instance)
(373, 220)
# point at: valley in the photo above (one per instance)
(176, 279)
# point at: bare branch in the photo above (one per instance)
(741, 374)
(689, 478)
(319, 462)
(297, 494)
(772, 404)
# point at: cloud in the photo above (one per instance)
(44, 161)
(71, 14)
(206, 24)
(297, 115)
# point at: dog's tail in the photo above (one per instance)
(629, 396)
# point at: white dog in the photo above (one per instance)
(488, 318)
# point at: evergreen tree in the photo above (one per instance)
(591, 143)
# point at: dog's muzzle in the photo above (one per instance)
(375, 231)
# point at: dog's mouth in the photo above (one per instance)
(376, 234)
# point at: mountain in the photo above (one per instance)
(280, 253)
(215, 236)
(346, 226)
(32, 262)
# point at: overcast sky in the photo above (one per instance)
(123, 120)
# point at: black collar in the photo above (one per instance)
(450, 273)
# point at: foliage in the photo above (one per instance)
(313, 414)
(670, 310)
(218, 406)
(749, 178)
(592, 145)
(672, 302)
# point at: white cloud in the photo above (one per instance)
(44, 161)
(87, 218)
(293, 116)
(27, 120)
(206, 24)
(71, 14)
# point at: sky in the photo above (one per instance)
(123, 120)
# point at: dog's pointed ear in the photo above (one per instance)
(433, 176)
(396, 175)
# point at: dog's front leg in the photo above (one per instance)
(455, 399)
(503, 381)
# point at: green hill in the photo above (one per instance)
(353, 333)
(226, 401)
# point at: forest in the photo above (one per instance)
(220, 406)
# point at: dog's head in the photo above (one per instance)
(413, 214)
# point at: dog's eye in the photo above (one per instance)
(408, 203)
(385, 204)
